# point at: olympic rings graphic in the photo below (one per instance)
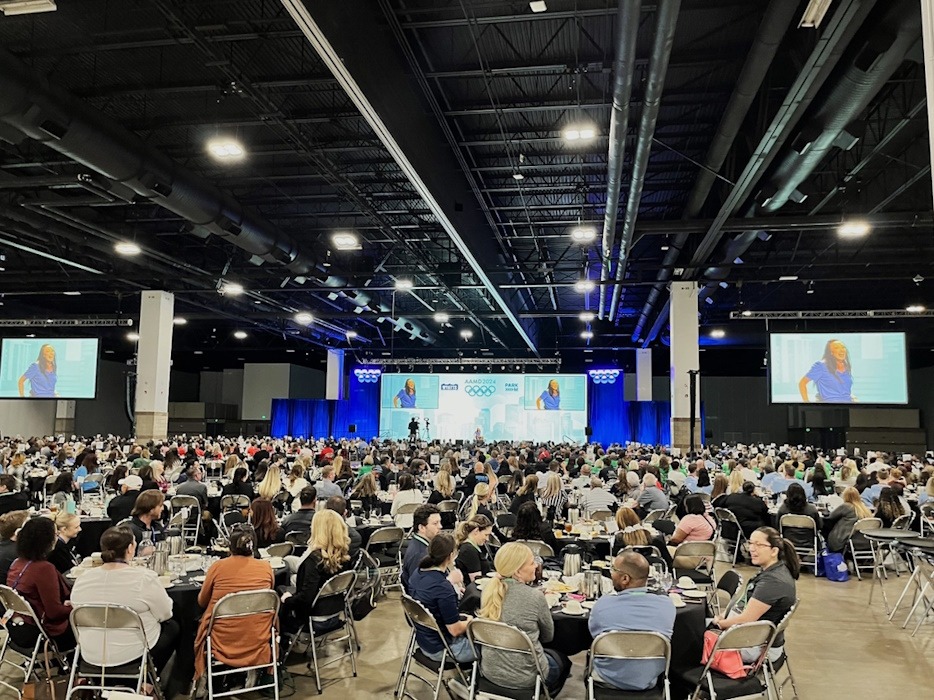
(484, 390)
(604, 376)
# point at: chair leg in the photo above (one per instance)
(404, 671)
(314, 660)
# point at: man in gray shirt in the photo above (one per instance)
(326, 486)
(194, 486)
(632, 608)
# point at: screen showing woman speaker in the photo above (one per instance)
(838, 368)
(48, 368)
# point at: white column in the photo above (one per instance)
(65, 417)
(685, 358)
(334, 383)
(644, 374)
(153, 364)
(927, 37)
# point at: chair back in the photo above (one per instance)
(183, 501)
(332, 597)
(104, 617)
(706, 548)
(408, 508)
(539, 548)
(730, 584)
(281, 549)
(297, 538)
(865, 524)
(783, 623)
(805, 522)
(385, 535)
(726, 516)
(601, 515)
(419, 615)
(903, 522)
(743, 636)
(628, 645)
(234, 500)
(245, 604)
(14, 602)
(448, 506)
(502, 637)
(653, 515)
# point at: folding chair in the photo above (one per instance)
(860, 548)
(704, 552)
(903, 522)
(620, 645)
(801, 531)
(502, 637)
(730, 587)
(417, 616)
(330, 613)
(653, 515)
(297, 538)
(672, 510)
(651, 554)
(406, 509)
(98, 480)
(728, 518)
(539, 548)
(758, 681)
(16, 605)
(282, 549)
(927, 519)
(600, 516)
(782, 661)
(380, 545)
(102, 620)
(234, 501)
(237, 606)
(505, 523)
(192, 526)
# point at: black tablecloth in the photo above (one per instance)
(572, 635)
(89, 539)
(598, 548)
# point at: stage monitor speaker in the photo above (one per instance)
(588, 431)
(352, 428)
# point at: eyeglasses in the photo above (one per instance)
(759, 544)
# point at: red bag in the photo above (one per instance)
(729, 662)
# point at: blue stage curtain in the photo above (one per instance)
(606, 411)
(281, 417)
(301, 417)
(616, 420)
(328, 418)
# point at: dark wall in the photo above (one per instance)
(306, 383)
(184, 386)
(106, 413)
(921, 396)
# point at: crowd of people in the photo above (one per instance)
(316, 488)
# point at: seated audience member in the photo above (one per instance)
(120, 507)
(237, 641)
(240, 485)
(479, 503)
(263, 518)
(889, 506)
(326, 486)
(426, 523)
(796, 503)
(300, 520)
(295, 482)
(553, 497)
(770, 593)
(40, 583)
(631, 609)
(651, 497)
(696, 525)
(598, 498)
(473, 560)
(148, 475)
(10, 498)
(430, 586)
(271, 485)
(366, 491)
(632, 533)
(194, 486)
(136, 587)
(10, 523)
(750, 510)
(924, 496)
(409, 492)
(530, 526)
(67, 527)
(509, 598)
(63, 490)
(839, 524)
(146, 517)
(328, 555)
(339, 505)
(525, 494)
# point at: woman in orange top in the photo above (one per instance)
(241, 641)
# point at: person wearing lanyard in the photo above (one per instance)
(631, 609)
(145, 521)
(63, 557)
(426, 523)
(471, 538)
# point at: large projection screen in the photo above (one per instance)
(838, 368)
(48, 368)
(511, 407)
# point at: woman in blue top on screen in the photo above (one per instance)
(832, 376)
(406, 396)
(550, 399)
(42, 375)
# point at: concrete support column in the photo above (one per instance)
(65, 418)
(685, 358)
(644, 374)
(334, 382)
(153, 365)
(927, 39)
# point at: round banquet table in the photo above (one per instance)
(597, 547)
(572, 634)
(89, 539)
(888, 533)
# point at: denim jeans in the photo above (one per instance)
(460, 647)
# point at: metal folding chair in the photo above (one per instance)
(282, 549)
(104, 619)
(502, 637)
(653, 515)
(233, 501)
(782, 662)
(618, 645)
(730, 587)
(539, 548)
(704, 553)
(861, 550)
(727, 517)
(192, 526)
(927, 519)
(794, 528)
(417, 616)
(757, 683)
(384, 540)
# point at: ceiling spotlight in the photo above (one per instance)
(586, 316)
(518, 176)
(226, 149)
(132, 336)
(788, 278)
(588, 133)
(583, 234)
(72, 294)
(584, 286)
(231, 289)
(810, 289)
(717, 333)
(441, 317)
(747, 313)
(344, 240)
(814, 13)
(664, 247)
(586, 335)
(127, 248)
(572, 134)
(403, 285)
(538, 6)
(914, 309)
(917, 279)
(351, 335)
(853, 229)
(466, 333)
(239, 335)
(304, 318)
(179, 321)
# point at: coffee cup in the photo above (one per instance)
(574, 607)
(165, 580)
(686, 582)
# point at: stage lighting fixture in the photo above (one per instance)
(127, 248)
(466, 334)
(441, 317)
(586, 335)
(584, 286)
(231, 289)
(583, 234)
(586, 316)
(304, 318)
(132, 336)
(747, 313)
(226, 149)
(344, 240)
(403, 285)
(914, 309)
(717, 333)
(856, 228)
(240, 335)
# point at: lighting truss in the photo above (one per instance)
(826, 315)
(63, 322)
(485, 361)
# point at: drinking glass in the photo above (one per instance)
(665, 580)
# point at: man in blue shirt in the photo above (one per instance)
(631, 609)
(426, 523)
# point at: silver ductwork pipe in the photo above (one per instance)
(778, 17)
(627, 31)
(667, 22)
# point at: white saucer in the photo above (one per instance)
(588, 604)
(565, 610)
(679, 603)
(697, 595)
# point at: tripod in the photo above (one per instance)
(427, 430)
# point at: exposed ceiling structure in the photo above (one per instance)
(488, 160)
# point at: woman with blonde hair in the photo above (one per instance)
(839, 524)
(491, 475)
(67, 527)
(271, 484)
(295, 482)
(444, 487)
(736, 482)
(365, 491)
(479, 504)
(471, 538)
(553, 496)
(509, 598)
(927, 495)
(328, 555)
(525, 494)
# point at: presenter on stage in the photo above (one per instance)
(832, 376)
(413, 429)
(41, 374)
(406, 396)
(550, 400)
